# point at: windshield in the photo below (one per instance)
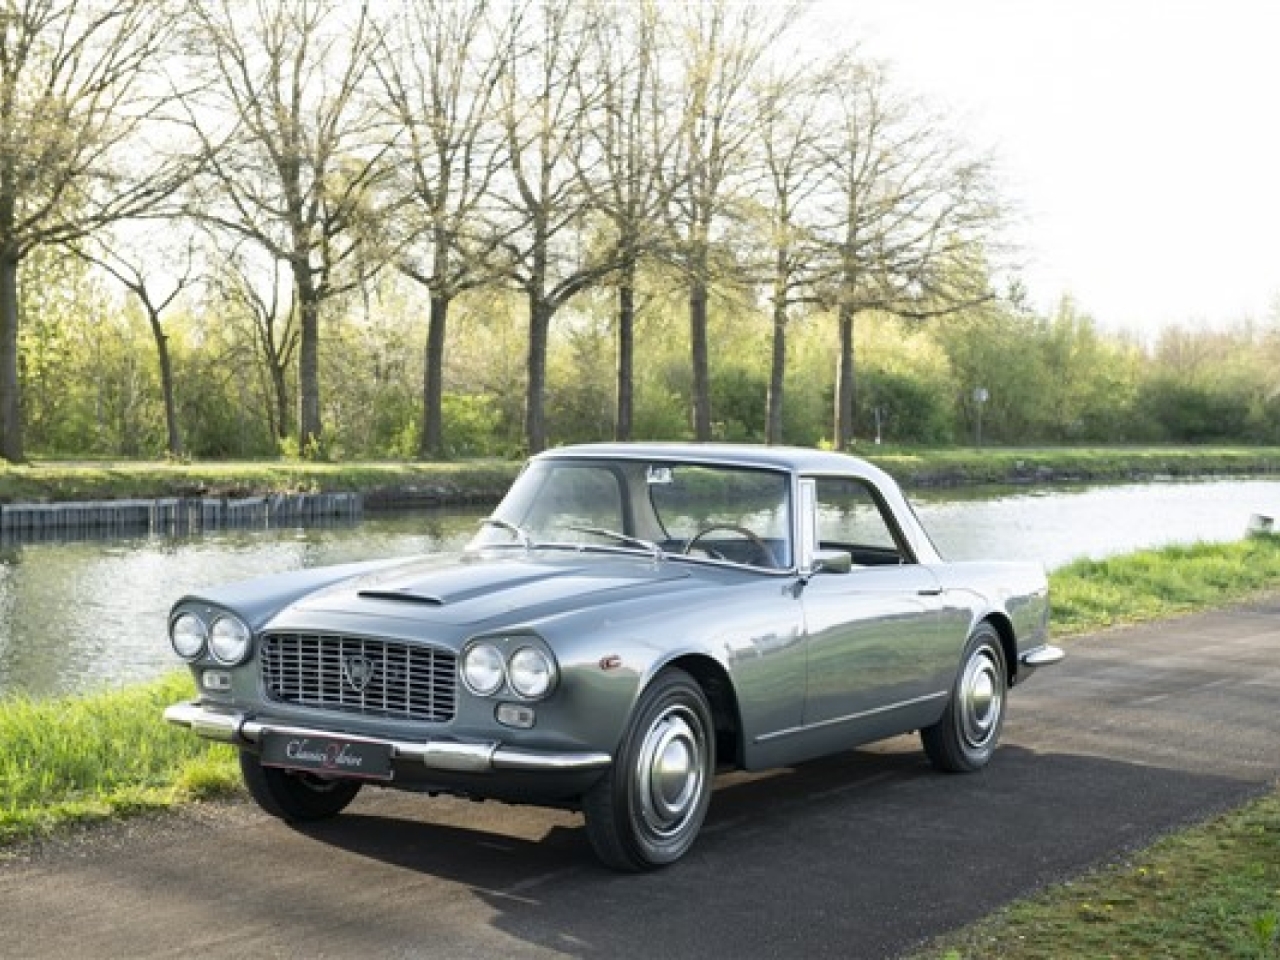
(709, 512)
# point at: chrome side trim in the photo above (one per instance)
(236, 728)
(1043, 656)
(765, 738)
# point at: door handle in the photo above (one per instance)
(929, 592)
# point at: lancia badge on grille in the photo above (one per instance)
(358, 671)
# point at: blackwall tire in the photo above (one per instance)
(647, 809)
(295, 797)
(966, 737)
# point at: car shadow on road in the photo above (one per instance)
(858, 855)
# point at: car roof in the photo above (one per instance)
(794, 459)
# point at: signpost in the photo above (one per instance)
(980, 396)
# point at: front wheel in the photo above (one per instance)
(645, 812)
(295, 797)
(966, 736)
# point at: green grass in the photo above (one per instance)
(62, 481)
(73, 759)
(49, 480)
(1092, 594)
(995, 465)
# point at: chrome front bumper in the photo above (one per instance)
(236, 728)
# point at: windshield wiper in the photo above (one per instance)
(623, 538)
(519, 533)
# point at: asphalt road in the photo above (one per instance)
(864, 855)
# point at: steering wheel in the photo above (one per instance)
(765, 556)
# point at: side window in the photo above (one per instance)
(851, 518)
(737, 514)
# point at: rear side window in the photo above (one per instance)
(850, 517)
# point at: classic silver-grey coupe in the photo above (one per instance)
(630, 619)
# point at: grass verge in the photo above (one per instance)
(45, 482)
(76, 759)
(1000, 465)
(1089, 595)
(486, 480)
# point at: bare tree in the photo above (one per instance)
(257, 293)
(719, 44)
(628, 144)
(156, 287)
(78, 85)
(791, 102)
(439, 78)
(295, 154)
(546, 208)
(909, 211)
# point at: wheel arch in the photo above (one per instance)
(718, 688)
(1003, 627)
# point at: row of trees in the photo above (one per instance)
(93, 388)
(269, 180)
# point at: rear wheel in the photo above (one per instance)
(645, 812)
(295, 797)
(966, 736)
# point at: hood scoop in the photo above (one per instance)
(449, 587)
(403, 595)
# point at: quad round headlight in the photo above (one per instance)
(187, 633)
(531, 673)
(483, 669)
(229, 640)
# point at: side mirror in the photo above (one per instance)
(831, 561)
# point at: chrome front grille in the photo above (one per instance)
(376, 678)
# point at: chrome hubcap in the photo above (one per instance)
(670, 771)
(981, 698)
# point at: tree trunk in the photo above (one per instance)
(174, 445)
(10, 388)
(777, 373)
(535, 424)
(626, 352)
(280, 387)
(698, 352)
(432, 446)
(845, 381)
(310, 430)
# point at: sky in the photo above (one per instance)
(1139, 141)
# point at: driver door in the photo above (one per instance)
(870, 631)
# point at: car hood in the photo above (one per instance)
(470, 589)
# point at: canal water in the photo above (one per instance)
(76, 616)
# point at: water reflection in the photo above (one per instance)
(75, 616)
(1058, 526)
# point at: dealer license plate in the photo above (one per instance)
(336, 756)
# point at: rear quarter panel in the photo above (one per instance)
(983, 589)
